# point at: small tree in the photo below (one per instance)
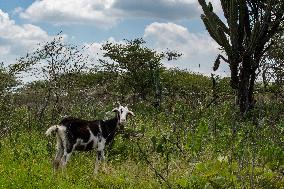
(49, 62)
(273, 64)
(245, 38)
(7, 80)
(138, 66)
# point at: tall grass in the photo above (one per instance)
(177, 148)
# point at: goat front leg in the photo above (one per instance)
(99, 158)
(68, 149)
(65, 158)
(100, 155)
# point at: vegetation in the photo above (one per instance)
(196, 138)
(188, 131)
(138, 67)
(245, 39)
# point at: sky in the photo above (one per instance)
(163, 24)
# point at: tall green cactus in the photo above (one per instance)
(244, 38)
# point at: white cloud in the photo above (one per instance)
(94, 50)
(17, 10)
(106, 13)
(199, 50)
(15, 40)
(62, 12)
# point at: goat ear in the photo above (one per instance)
(131, 113)
(115, 110)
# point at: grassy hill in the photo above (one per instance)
(195, 139)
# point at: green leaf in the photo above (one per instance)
(160, 148)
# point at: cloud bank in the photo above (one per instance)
(107, 13)
(199, 50)
(18, 39)
(64, 12)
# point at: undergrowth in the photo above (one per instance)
(204, 148)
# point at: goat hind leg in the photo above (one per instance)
(59, 154)
(57, 159)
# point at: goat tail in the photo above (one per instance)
(51, 129)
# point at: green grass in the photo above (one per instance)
(208, 155)
(26, 163)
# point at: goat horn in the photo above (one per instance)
(130, 112)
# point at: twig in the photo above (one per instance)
(152, 167)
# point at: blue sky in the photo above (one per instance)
(164, 24)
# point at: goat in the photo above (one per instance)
(82, 135)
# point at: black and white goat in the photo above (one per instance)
(77, 134)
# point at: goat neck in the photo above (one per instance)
(109, 128)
